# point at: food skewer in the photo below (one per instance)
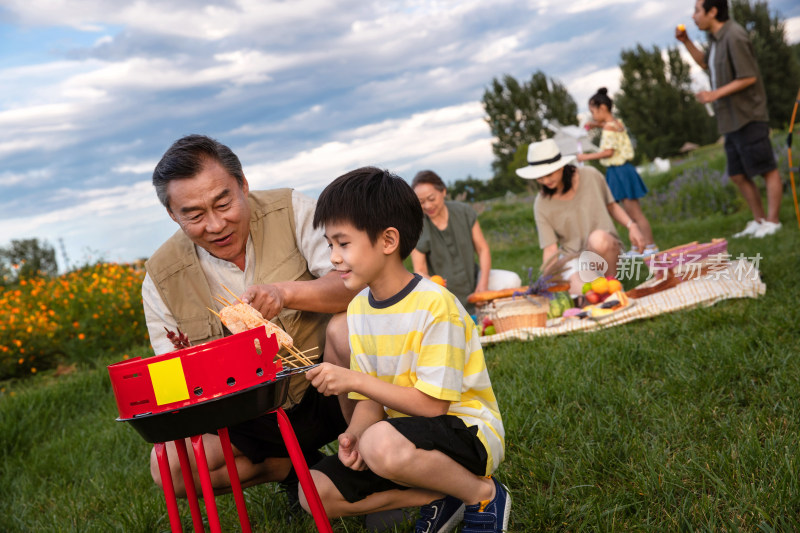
(285, 359)
(297, 356)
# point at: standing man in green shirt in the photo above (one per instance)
(740, 105)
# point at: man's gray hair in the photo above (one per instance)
(187, 157)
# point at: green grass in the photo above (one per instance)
(686, 421)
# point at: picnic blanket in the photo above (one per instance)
(736, 279)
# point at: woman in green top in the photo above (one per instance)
(451, 238)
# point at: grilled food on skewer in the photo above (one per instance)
(242, 317)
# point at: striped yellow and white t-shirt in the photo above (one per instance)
(424, 338)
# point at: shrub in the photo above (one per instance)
(695, 192)
(70, 318)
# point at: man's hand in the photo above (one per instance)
(348, 452)
(680, 33)
(330, 379)
(706, 97)
(268, 299)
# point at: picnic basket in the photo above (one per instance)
(527, 311)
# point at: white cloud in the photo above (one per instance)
(580, 6)
(135, 168)
(793, 29)
(399, 145)
(29, 178)
(497, 49)
(585, 82)
(653, 9)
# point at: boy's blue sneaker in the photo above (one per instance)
(489, 515)
(440, 516)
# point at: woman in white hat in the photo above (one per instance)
(573, 213)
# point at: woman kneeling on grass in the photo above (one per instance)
(573, 211)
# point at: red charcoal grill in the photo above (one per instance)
(204, 389)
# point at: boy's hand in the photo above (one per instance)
(348, 452)
(330, 379)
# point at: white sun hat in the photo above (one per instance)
(544, 158)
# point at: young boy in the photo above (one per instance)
(427, 429)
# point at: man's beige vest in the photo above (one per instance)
(175, 270)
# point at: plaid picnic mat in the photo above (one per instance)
(736, 279)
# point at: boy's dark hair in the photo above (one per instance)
(722, 8)
(601, 98)
(566, 179)
(431, 178)
(372, 200)
(187, 157)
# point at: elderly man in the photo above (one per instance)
(262, 246)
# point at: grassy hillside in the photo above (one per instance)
(687, 421)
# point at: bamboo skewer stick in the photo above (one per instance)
(222, 300)
(232, 294)
(298, 355)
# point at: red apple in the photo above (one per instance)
(592, 297)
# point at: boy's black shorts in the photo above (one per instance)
(446, 433)
(316, 420)
(749, 150)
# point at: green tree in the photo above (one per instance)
(520, 113)
(28, 258)
(657, 103)
(469, 189)
(777, 60)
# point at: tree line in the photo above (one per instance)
(655, 101)
(25, 259)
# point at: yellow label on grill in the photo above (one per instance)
(169, 383)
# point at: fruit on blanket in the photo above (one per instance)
(489, 330)
(561, 302)
(572, 311)
(614, 286)
(600, 285)
(436, 278)
(592, 297)
(586, 287)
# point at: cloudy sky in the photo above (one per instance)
(92, 92)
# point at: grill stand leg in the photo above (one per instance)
(233, 474)
(300, 466)
(188, 483)
(169, 489)
(205, 483)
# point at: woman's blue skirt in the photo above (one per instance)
(625, 182)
